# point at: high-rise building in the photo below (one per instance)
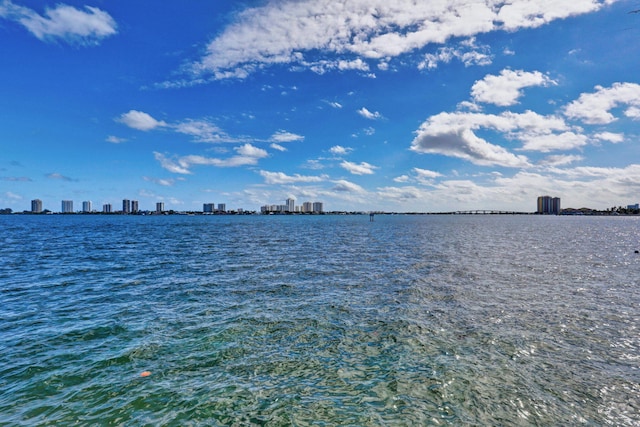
(317, 207)
(307, 207)
(36, 206)
(208, 207)
(67, 206)
(290, 204)
(159, 207)
(549, 205)
(222, 207)
(86, 206)
(134, 206)
(107, 208)
(126, 206)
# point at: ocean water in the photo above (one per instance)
(319, 320)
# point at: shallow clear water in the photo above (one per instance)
(321, 320)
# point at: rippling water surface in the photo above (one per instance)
(322, 320)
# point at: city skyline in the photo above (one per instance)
(366, 105)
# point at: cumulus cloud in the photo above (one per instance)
(468, 53)
(140, 120)
(505, 89)
(426, 174)
(171, 165)
(595, 107)
(561, 159)
(247, 154)
(611, 137)
(202, 131)
(284, 136)
(81, 26)
(282, 178)
(339, 150)
(343, 34)
(453, 134)
(347, 187)
(363, 168)
(368, 114)
(550, 142)
(277, 147)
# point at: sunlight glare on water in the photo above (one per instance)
(319, 320)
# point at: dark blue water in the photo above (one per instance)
(319, 320)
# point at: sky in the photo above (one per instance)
(403, 106)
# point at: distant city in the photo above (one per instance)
(132, 207)
(546, 205)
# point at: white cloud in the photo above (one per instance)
(361, 30)
(505, 89)
(284, 136)
(171, 165)
(453, 134)
(334, 104)
(595, 107)
(347, 187)
(426, 174)
(368, 114)
(549, 142)
(363, 168)
(401, 178)
(88, 26)
(115, 140)
(467, 53)
(340, 150)
(633, 113)
(203, 131)
(140, 120)
(561, 159)
(282, 178)
(277, 147)
(246, 155)
(611, 137)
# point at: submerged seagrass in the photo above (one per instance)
(325, 320)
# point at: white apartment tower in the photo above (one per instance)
(67, 206)
(36, 206)
(86, 206)
(290, 205)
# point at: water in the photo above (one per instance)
(322, 320)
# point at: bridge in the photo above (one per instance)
(483, 212)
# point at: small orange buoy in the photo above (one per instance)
(145, 374)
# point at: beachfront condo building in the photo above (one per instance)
(67, 206)
(107, 208)
(126, 206)
(548, 205)
(159, 207)
(36, 206)
(86, 206)
(209, 207)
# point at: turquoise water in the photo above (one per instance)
(319, 320)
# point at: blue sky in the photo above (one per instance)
(362, 105)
